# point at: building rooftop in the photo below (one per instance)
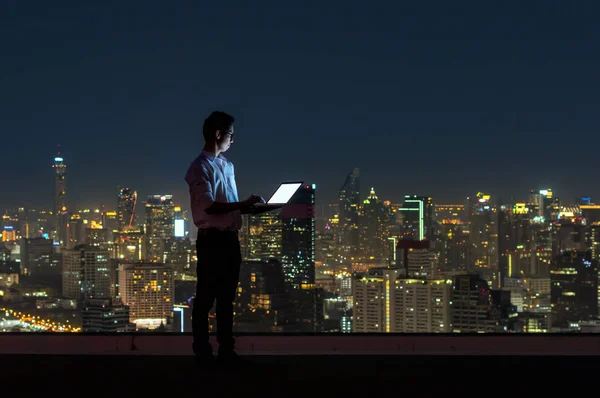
(301, 365)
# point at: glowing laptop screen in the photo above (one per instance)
(284, 193)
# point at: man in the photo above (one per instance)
(217, 211)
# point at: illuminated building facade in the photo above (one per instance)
(349, 208)
(373, 229)
(129, 246)
(574, 288)
(451, 240)
(126, 202)
(263, 302)
(75, 231)
(262, 236)
(147, 289)
(105, 316)
(478, 309)
(9, 234)
(179, 253)
(423, 306)
(86, 273)
(483, 232)
(385, 302)
(180, 224)
(97, 237)
(39, 257)
(60, 198)
(417, 217)
(160, 224)
(298, 238)
(298, 258)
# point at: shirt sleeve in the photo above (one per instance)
(200, 185)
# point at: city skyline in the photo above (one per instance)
(182, 199)
(480, 98)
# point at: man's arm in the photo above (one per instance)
(201, 189)
(220, 207)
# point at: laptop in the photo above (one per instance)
(281, 196)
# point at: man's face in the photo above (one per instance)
(225, 138)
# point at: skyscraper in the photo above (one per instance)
(261, 236)
(374, 228)
(39, 257)
(349, 199)
(147, 288)
(574, 288)
(298, 258)
(60, 198)
(384, 301)
(417, 217)
(476, 308)
(263, 303)
(483, 227)
(86, 273)
(126, 202)
(160, 224)
(298, 238)
(75, 231)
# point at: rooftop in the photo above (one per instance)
(303, 365)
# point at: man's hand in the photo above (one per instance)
(253, 199)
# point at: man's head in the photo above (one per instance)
(218, 130)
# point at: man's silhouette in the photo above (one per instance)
(217, 211)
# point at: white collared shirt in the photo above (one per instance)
(212, 179)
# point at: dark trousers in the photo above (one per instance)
(218, 272)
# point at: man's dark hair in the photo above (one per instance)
(216, 121)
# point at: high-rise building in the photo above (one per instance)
(97, 237)
(349, 207)
(574, 288)
(111, 223)
(374, 229)
(263, 304)
(105, 316)
(9, 234)
(179, 253)
(298, 257)
(129, 246)
(71, 274)
(75, 231)
(417, 217)
(483, 232)
(570, 233)
(451, 237)
(147, 289)
(593, 242)
(181, 223)
(298, 238)
(386, 302)
(86, 273)
(60, 198)
(160, 224)
(414, 257)
(39, 257)
(423, 306)
(478, 309)
(126, 202)
(262, 236)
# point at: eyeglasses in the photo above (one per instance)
(230, 134)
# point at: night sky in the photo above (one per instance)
(435, 98)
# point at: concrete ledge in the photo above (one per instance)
(350, 344)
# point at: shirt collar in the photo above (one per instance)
(210, 156)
